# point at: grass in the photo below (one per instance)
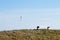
(41, 34)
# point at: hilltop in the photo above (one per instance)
(41, 34)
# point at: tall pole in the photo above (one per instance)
(20, 18)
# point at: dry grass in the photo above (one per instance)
(42, 34)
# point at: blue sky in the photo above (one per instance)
(34, 12)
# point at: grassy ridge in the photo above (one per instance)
(41, 34)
